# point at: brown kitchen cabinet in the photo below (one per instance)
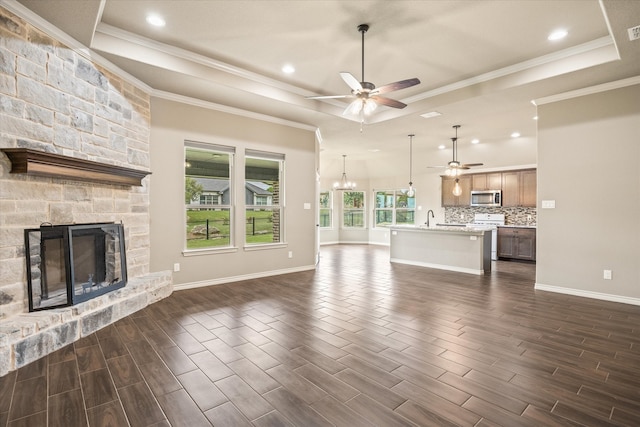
(486, 181)
(517, 243)
(519, 188)
(448, 199)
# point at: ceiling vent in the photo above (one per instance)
(634, 33)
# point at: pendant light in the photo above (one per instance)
(457, 190)
(344, 183)
(411, 192)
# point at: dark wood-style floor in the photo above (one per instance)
(358, 342)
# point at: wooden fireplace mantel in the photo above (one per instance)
(33, 162)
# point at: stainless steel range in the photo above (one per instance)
(489, 222)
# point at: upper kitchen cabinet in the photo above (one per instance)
(486, 181)
(519, 188)
(448, 198)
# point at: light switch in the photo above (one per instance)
(548, 204)
(307, 205)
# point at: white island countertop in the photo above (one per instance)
(465, 249)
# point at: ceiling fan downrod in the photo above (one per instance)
(455, 145)
(363, 28)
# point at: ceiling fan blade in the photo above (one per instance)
(402, 84)
(328, 97)
(468, 165)
(351, 81)
(436, 167)
(388, 102)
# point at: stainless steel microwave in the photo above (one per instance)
(486, 198)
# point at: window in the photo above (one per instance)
(394, 207)
(264, 197)
(207, 195)
(353, 209)
(209, 199)
(326, 209)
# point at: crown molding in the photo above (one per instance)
(170, 96)
(120, 34)
(631, 81)
(602, 42)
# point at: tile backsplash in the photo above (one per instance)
(512, 216)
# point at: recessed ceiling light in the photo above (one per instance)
(475, 141)
(288, 69)
(441, 147)
(535, 117)
(156, 20)
(557, 35)
(515, 135)
(374, 150)
(431, 114)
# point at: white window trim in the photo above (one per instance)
(330, 208)
(231, 247)
(394, 209)
(281, 205)
(363, 209)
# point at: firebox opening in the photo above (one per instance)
(68, 264)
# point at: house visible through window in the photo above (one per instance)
(353, 209)
(326, 209)
(264, 197)
(394, 207)
(208, 195)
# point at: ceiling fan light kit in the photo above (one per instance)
(366, 97)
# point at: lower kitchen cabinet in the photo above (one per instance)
(517, 243)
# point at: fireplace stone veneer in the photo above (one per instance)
(28, 337)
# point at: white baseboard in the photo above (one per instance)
(213, 282)
(587, 294)
(439, 266)
(365, 242)
(380, 243)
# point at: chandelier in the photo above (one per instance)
(344, 183)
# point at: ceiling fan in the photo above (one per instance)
(454, 167)
(365, 94)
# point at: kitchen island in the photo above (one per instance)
(463, 249)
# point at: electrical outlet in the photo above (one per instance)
(176, 266)
(528, 217)
(607, 274)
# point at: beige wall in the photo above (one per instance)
(171, 124)
(588, 162)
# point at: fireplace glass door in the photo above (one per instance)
(68, 264)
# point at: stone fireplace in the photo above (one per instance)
(74, 147)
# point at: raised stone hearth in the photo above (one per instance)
(27, 337)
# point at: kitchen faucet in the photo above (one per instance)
(432, 216)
